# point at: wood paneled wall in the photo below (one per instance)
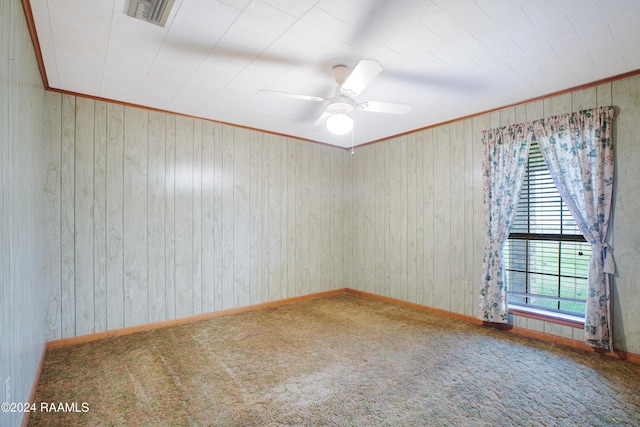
(194, 216)
(417, 221)
(414, 217)
(23, 242)
(187, 215)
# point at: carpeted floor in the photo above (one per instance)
(342, 360)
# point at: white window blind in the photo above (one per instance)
(546, 256)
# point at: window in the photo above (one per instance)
(546, 256)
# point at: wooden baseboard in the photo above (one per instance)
(568, 342)
(403, 303)
(620, 354)
(64, 342)
(575, 344)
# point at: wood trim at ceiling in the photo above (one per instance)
(36, 44)
(31, 25)
(159, 110)
(515, 104)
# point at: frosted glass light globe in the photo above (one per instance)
(339, 124)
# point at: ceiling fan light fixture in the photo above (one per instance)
(340, 124)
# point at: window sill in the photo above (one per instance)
(547, 316)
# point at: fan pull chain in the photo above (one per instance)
(353, 151)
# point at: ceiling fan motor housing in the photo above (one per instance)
(340, 105)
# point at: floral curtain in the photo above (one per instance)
(578, 150)
(505, 154)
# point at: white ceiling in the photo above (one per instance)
(447, 58)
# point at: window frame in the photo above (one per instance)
(537, 312)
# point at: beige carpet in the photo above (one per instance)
(342, 360)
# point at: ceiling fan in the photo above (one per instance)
(349, 86)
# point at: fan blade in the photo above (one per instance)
(384, 107)
(294, 95)
(364, 73)
(323, 119)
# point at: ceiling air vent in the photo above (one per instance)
(154, 11)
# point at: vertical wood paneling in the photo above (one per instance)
(381, 153)
(404, 261)
(624, 230)
(157, 222)
(507, 117)
(197, 217)
(442, 218)
(302, 218)
(241, 217)
(411, 245)
(276, 263)
(218, 253)
(315, 212)
(67, 223)
(5, 219)
(284, 213)
(535, 110)
(396, 220)
(184, 220)
(114, 216)
(584, 99)
(603, 95)
(228, 293)
(290, 231)
(421, 236)
(340, 213)
(328, 266)
(429, 202)
(265, 210)
(557, 105)
(52, 215)
(456, 239)
(136, 122)
(520, 113)
(470, 182)
(99, 250)
(369, 211)
(27, 271)
(83, 216)
(170, 216)
(257, 231)
(208, 214)
(357, 165)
